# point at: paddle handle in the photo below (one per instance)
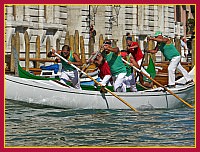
(160, 85)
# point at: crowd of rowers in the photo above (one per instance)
(112, 68)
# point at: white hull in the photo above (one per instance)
(47, 92)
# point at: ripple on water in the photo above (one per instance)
(46, 126)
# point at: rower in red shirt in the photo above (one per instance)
(136, 52)
(104, 73)
(104, 68)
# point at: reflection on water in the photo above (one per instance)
(46, 126)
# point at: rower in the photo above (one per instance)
(170, 53)
(117, 68)
(69, 73)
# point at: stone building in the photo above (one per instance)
(113, 21)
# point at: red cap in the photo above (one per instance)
(123, 54)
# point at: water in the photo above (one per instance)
(38, 126)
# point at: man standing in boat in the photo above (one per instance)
(133, 48)
(117, 67)
(170, 53)
(69, 73)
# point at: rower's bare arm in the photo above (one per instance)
(109, 48)
(115, 50)
(133, 62)
(165, 40)
(153, 51)
(78, 60)
(133, 47)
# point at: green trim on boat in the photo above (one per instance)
(24, 74)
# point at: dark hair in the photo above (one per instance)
(128, 34)
(129, 38)
(107, 42)
(66, 47)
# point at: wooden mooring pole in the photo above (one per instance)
(82, 50)
(37, 48)
(76, 42)
(71, 42)
(193, 51)
(48, 45)
(13, 46)
(67, 38)
(101, 40)
(27, 50)
(17, 43)
(124, 45)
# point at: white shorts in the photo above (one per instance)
(129, 80)
(118, 82)
(173, 65)
(71, 76)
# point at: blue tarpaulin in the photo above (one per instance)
(54, 67)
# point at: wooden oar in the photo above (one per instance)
(160, 85)
(97, 82)
(141, 86)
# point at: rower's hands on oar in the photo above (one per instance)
(69, 62)
(53, 51)
(103, 90)
(131, 64)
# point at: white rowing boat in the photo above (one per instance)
(51, 93)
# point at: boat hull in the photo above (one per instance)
(50, 93)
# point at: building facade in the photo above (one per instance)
(113, 21)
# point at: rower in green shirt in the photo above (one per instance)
(170, 53)
(117, 67)
(69, 73)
